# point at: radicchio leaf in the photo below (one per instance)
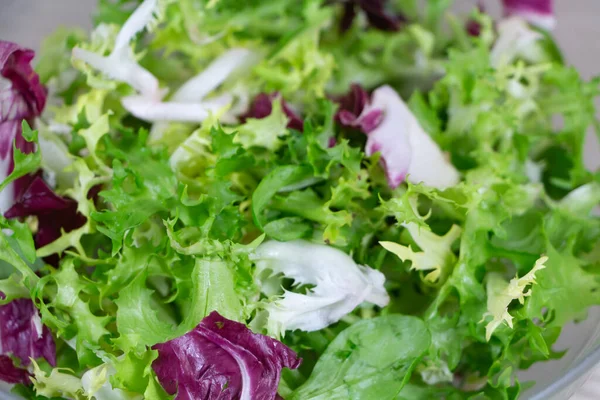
(22, 336)
(406, 149)
(222, 359)
(55, 214)
(352, 110)
(262, 106)
(472, 26)
(22, 97)
(376, 13)
(537, 12)
(11, 374)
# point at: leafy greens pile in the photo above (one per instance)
(231, 200)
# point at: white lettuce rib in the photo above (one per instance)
(154, 111)
(141, 17)
(123, 68)
(119, 64)
(198, 87)
(339, 284)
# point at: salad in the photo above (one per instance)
(357, 199)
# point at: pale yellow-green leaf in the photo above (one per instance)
(501, 293)
(57, 383)
(265, 132)
(436, 251)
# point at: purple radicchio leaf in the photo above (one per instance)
(354, 112)
(472, 26)
(22, 336)
(406, 149)
(54, 213)
(376, 13)
(222, 359)
(262, 106)
(537, 12)
(11, 374)
(22, 97)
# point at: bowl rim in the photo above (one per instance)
(582, 369)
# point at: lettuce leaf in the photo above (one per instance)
(232, 362)
(537, 12)
(22, 98)
(22, 338)
(365, 369)
(339, 285)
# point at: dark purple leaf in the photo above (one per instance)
(54, 213)
(38, 199)
(473, 28)
(25, 97)
(348, 16)
(537, 12)
(354, 113)
(22, 97)
(262, 106)
(355, 101)
(222, 359)
(376, 13)
(11, 374)
(22, 336)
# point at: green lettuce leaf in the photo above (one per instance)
(364, 368)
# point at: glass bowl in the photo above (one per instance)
(29, 21)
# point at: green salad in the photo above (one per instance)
(293, 199)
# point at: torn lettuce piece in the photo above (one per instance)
(22, 97)
(58, 383)
(188, 103)
(407, 151)
(371, 359)
(148, 109)
(262, 107)
(265, 132)
(339, 284)
(222, 359)
(536, 12)
(95, 383)
(435, 372)
(351, 112)
(22, 337)
(120, 64)
(565, 289)
(436, 251)
(55, 215)
(56, 158)
(376, 13)
(501, 293)
(300, 69)
(201, 85)
(517, 40)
